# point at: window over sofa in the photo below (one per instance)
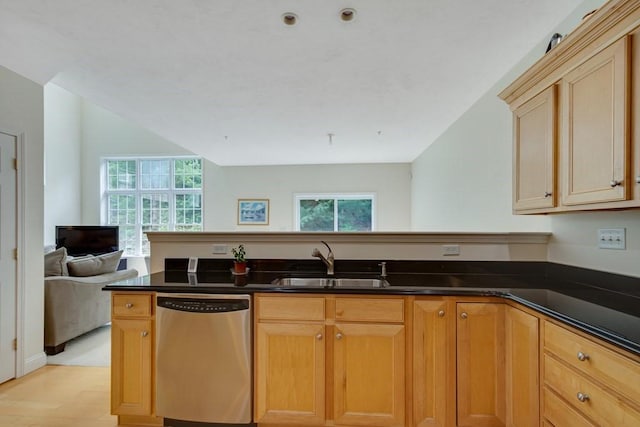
(151, 194)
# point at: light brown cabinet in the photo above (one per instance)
(480, 364)
(290, 360)
(594, 75)
(522, 368)
(534, 152)
(343, 364)
(595, 159)
(132, 355)
(434, 355)
(598, 386)
(400, 361)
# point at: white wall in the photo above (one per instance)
(106, 134)
(21, 111)
(62, 154)
(463, 182)
(575, 241)
(390, 182)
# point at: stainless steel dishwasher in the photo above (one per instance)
(203, 366)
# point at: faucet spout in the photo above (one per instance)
(328, 261)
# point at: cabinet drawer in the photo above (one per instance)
(132, 305)
(558, 414)
(290, 308)
(370, 309)
(605, 365)
(587, 397)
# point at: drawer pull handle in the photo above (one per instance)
(319, 336)
(338, 336)
(144, 333)
(582, 356)
(582, 397)
(441, 313)
(128, 305)
(464, 315)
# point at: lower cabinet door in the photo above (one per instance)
(523, 373)
(290, 373)
(369, 383)
(131, 367)
(480, 364)
(434, 363)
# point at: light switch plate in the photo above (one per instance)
(612, 238)
(219, 249)
(449, 250)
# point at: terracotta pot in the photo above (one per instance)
(239, 267)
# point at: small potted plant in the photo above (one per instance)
(240, 261)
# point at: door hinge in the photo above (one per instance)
(15, 164)
(15, 344)
(15, 254)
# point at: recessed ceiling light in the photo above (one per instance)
(289, 18)
(347, 14)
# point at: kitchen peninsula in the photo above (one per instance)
(509, 341)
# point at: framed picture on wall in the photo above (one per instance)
(253, 211)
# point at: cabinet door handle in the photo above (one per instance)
(128, 305)
(338, 336)
(441, 313)
(547, 194)
(582, 356)
(638, 179)
(319, 336)
(582, 397)
(144, 333)
(615, 183)
(464, 315)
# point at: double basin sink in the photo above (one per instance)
(343, 283)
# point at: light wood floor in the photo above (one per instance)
(58, 396)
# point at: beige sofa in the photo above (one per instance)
(74, 305)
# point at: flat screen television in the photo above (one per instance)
(87, 239)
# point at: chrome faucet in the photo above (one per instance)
(329, 260)
(383, 270)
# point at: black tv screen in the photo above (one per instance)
(87, 239)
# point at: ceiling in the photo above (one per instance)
(228, 80)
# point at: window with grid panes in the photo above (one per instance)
(152, 194)
(335, 212)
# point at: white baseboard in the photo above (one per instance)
(34, 362)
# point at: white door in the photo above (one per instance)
(8, 262)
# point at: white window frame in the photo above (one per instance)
(297, 197)
(171, 192)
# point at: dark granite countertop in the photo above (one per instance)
(612, 313)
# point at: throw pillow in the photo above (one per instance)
(55, 263)
(94, 265)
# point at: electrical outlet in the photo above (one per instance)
(220, 249)
(612, 238)
(448, 250)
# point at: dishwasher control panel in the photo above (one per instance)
(199, 305)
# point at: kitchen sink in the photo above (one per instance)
(315, 282)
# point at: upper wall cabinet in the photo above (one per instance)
(534, 152)
(594, 156)
(575, 146)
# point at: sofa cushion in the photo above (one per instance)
(94, 265)
(55, 263)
